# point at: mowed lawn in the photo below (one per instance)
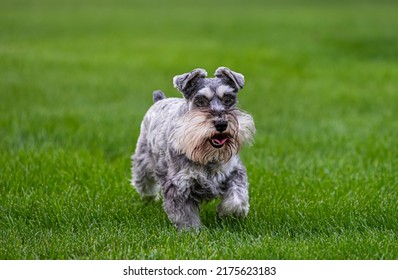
(76, 78)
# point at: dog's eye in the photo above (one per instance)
(201, 101)
(228, 100)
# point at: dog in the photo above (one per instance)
(188, 148)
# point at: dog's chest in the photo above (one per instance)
(207, 183)
(209, 187)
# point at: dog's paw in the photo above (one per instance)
(235, 208)
(188, 228)
(150, 198)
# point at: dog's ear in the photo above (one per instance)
(232, 78)
(186, 83)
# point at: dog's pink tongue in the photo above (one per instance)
(220, 141)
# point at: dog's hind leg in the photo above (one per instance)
(143, 174)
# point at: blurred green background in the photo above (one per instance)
(76, 78)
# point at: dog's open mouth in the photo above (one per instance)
(218, 140)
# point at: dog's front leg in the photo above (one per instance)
(235, 200)
(181, 209)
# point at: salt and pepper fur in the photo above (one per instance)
(188, 148)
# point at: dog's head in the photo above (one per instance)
(213, 129)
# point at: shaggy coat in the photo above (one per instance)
(188, 148)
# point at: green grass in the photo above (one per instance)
(321, 82)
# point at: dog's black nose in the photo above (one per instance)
(221, 125)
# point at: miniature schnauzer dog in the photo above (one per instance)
(189, 148)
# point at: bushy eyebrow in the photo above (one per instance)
(206, 92)
(224, 89)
